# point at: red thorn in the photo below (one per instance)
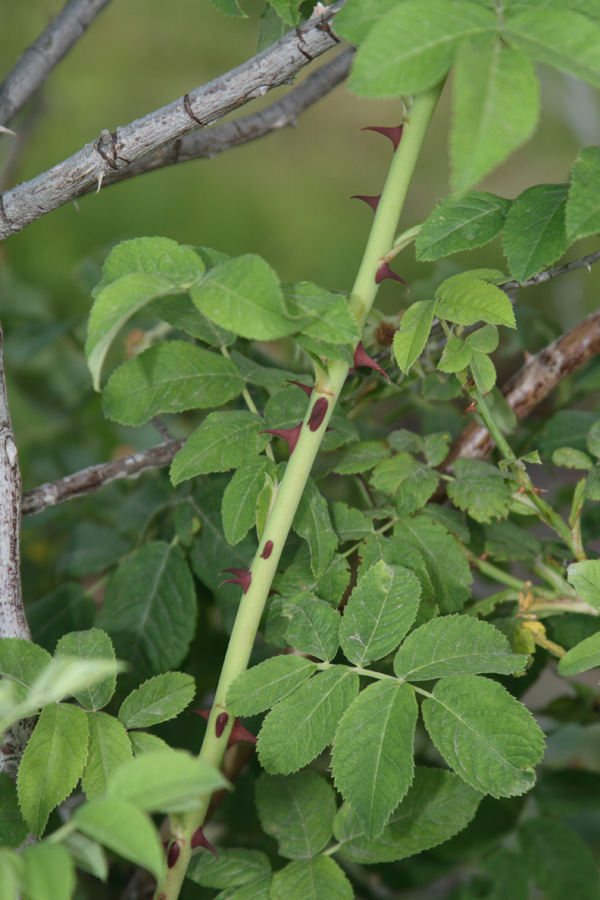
(373, 201)
(384, 272)
(238, 732)
(243, 578)
(267, 550)
(471, 408)
(222, 720)
(173, 854)
(198, 840)
(274, 592)
(303, 387)
(394, 133)
(318, 414)
(362, 358)
(290, 435)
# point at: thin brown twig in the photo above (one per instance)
(584, 262)
(88, 480)
(532, 383)
(35, 64)
(113, 151)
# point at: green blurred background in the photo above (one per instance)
(285, 197)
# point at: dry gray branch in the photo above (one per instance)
(87, 480)
(36, 63)
(585, 262)
(281, 114)
(117, 150)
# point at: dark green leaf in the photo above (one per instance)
(149, 608)
(91, 644)
(462, 718)
(583, 206)
(169, 378)
(157, 700)
(438, 805)
(312, 523)
(233, 867)
(52, 763)
(13, 828)
(455, 645)
(313, 626)
(263, 685)
(297, 810)
(303, 724)
(372, 759)
(534, 232)
(241, 496)
(180, 312)
(479, 489)
(559, 861)
(585, 578)
(311, 879)
(461, 223)
(222, 442)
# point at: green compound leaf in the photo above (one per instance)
(240, 498)
(561, 38)
(534, 232)
(467, 299)
(109, 746)
(480, 490)
(312, 522)
(483, 372)
(412, 47)
(180, 312)
(585, 656)
(355, 20)
(456, 356)
(350, 523)
(264, 685)
(585, 578)
(372, 759)
(244, 295)
(445, 563)
(461, 223)
(313, 626)
(329, 327)
(142, 742)
(170, 781)
(157, 700)
(311, 879)
(488, 125)
(22, 662)
(455, 645)
(223, 441)
(48, 872)
(484, 340)
(124, 829)
(13, 828)
(298, 811)
(437, 806)
(52, 763)
(90, 644)
(233, 867)
(358, 458)
(558, 859)
(149, 608)
(258, 889)
(462, 719)
(303, 724)
(169, 378)
(379, 612)
(411, 481)
(113, 306)
(583, 205)
(152, 256)
(412, 336)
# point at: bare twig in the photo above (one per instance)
(117, 150)
(585, 262)
(532, 383)
(282, 114)
(36, 63)
(13, 623)
(80, 483)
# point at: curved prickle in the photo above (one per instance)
(362, 358)
(303, 387)
(371, 200)
(243, 577)
(384, 272)
(198, 840)
(394, 133)
(290, 435)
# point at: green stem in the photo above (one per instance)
(543, 509)
(329, 385)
